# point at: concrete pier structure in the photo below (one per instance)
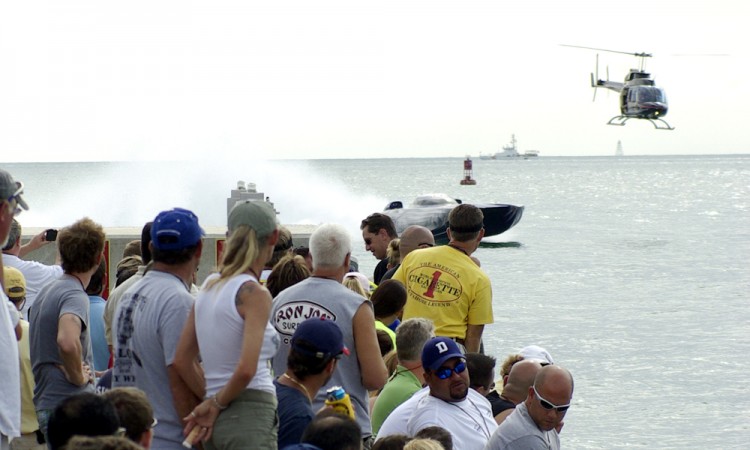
(118, 237)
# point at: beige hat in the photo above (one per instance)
(14, 283)
(258, 215)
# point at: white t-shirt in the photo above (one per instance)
(469, 421)
(37, 276)
(396, 421)
(10, 373)
(146, 329)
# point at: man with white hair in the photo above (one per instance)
(323, 295)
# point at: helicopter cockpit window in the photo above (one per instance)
(651, 94)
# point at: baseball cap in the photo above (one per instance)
(319, 337)
(14, 284)
(362, 278)
(175, 229)
(258, 215)
(10, 188)
(438, 350)
(536, 353)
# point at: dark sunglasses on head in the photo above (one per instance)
(549, 405)
(446, 372)
(302, 251)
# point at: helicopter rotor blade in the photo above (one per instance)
(597, 66)
(642, 54)
(597, 78)
(699, 54)
(593, 85)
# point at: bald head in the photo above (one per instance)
(554, 377)
(520, 379)
(550, 396)
(414, 237)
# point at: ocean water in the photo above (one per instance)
(634, 272)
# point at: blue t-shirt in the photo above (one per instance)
(96, 333)
(295, 413)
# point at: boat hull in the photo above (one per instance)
(498, 218)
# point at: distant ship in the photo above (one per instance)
(619, 152)
(511, 151)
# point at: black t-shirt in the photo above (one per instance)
(380, 270)
(499, 404)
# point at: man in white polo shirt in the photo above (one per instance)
(37, 275)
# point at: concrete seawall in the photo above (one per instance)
(118, 238)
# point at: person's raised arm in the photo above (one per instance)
(34, 243)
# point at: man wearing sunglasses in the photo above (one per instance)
(450, 404)
(534, 424)
(378, 231)
(11, 205)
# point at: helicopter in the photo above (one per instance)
(640, 98)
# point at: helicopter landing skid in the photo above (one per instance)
(659, 124)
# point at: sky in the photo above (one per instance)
(86, 80)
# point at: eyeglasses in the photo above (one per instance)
(14, 198)
(549, 405)
(446, 372)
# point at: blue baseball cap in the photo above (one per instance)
(438, 350)
(175, 229)
(319, 337)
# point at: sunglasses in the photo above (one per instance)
(14, 198)
(446, 372)
(549, 405)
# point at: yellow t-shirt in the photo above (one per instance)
(445, 285)
(29, 422)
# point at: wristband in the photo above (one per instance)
(217, 404)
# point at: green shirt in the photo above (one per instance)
(402, 385)
(381, 326)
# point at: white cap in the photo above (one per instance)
(536, 353)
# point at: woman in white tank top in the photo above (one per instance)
(230, 329)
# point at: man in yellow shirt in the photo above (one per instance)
(445, 285)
